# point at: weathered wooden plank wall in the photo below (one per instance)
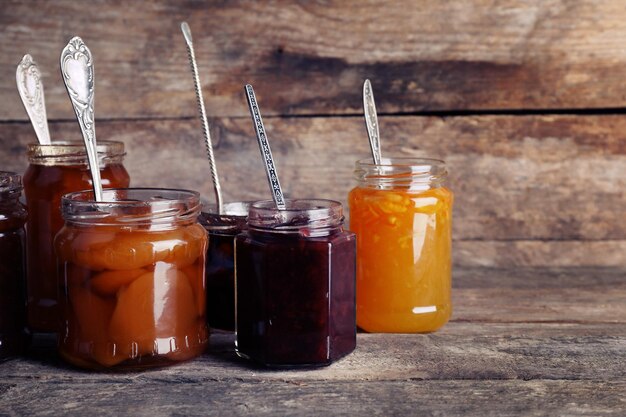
(525, 101)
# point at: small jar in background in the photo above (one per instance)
(132, 280)
(55, 170)
(220, 261)
(295, 284)
(13, 334)
(401, 212)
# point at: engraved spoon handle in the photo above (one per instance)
(30, 87)
(371, 121)
(78, 76)
(264, 145)
(205, 122)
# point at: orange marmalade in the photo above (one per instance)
(401, 214)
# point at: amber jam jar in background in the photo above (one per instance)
(295, 284)
(132, 280)
(13, 334)
(220, 261)
(56, 170)
(401, 213)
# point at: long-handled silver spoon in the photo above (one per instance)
(371, 121)
(205, 123)
(264, 145)
(30, 87)
(77, 72)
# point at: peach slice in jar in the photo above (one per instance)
(156, 305)
(108, 283)
(195, 275)
(89, 315)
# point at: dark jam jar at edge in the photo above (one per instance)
(13, 333)
(295, 285)
(220, 261)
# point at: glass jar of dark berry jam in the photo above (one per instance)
(295, 284)
(13, 334)
(220, 261)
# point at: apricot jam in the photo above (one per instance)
(401, 214)
(56, 170)
(13, 333)
(132, 279)
(295, 285)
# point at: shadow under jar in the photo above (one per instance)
(295, 284)
(220, 261)
(401, 213)
(55, 170)
(13, 333)
(132, 282)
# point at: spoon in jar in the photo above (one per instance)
(205, 123)
(78, 76)
(371, 121)
(264, 146)
(30, 87)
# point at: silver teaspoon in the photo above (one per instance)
(77, 72)
(30, 87)
(264, 145)
(371, 121)
(205, 122)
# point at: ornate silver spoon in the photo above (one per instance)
(77, 72)
(264, 145)
(30, 87)
(371, 121)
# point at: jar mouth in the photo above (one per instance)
(152, 207)
(233, 218)
(10, 183)
(401, 172)
(66, 152)
(310, 217)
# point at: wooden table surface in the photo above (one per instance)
(525, 341)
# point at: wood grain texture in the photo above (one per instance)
(552, 187)
(234, 397)
(312, 57)
(506, 352)
(465, 368)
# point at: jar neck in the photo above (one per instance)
(304, 218)
(66, 153)
(231, 221)
(413, 174)
(10, 187)
(151, 209)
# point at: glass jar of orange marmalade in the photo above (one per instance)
(401, 213)
(132, 278)
(13, 334)
(56, 170)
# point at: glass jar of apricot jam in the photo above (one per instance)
(132, 278)
(55, 170)
(295, 284)
(220, 261)
(13, 333)
(401, 213)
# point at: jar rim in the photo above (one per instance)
(415, 174)
(233, 218)
(65, 152)
(314, 214)
(10, 182)
(131, 206)
(402, 161)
